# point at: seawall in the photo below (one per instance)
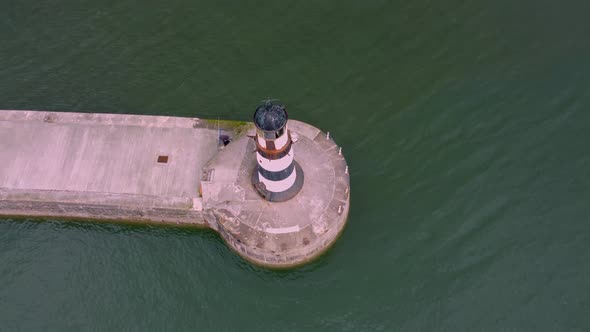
(171, 170)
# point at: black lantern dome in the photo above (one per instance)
(270, 117)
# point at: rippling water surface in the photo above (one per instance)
(465, 125)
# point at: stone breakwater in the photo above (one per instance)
(172, 170)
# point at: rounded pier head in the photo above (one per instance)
(264, 227)
(277, 176)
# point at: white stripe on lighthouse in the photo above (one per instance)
(282, 141)
(277, 164)
(261, 141)
(278, 186)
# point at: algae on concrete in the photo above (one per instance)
(233, 126)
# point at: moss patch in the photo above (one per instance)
(237, 127)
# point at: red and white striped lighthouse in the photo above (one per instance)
(277, 177)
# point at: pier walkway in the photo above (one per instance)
(103, 166)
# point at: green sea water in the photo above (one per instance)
(465, 125)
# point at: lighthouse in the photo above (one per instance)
(277, 176)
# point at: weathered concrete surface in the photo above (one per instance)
(104, 166)
(279, 234)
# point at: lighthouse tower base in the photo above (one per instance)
(286, 195)
(279, 234)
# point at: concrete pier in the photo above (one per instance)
(171, 170)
